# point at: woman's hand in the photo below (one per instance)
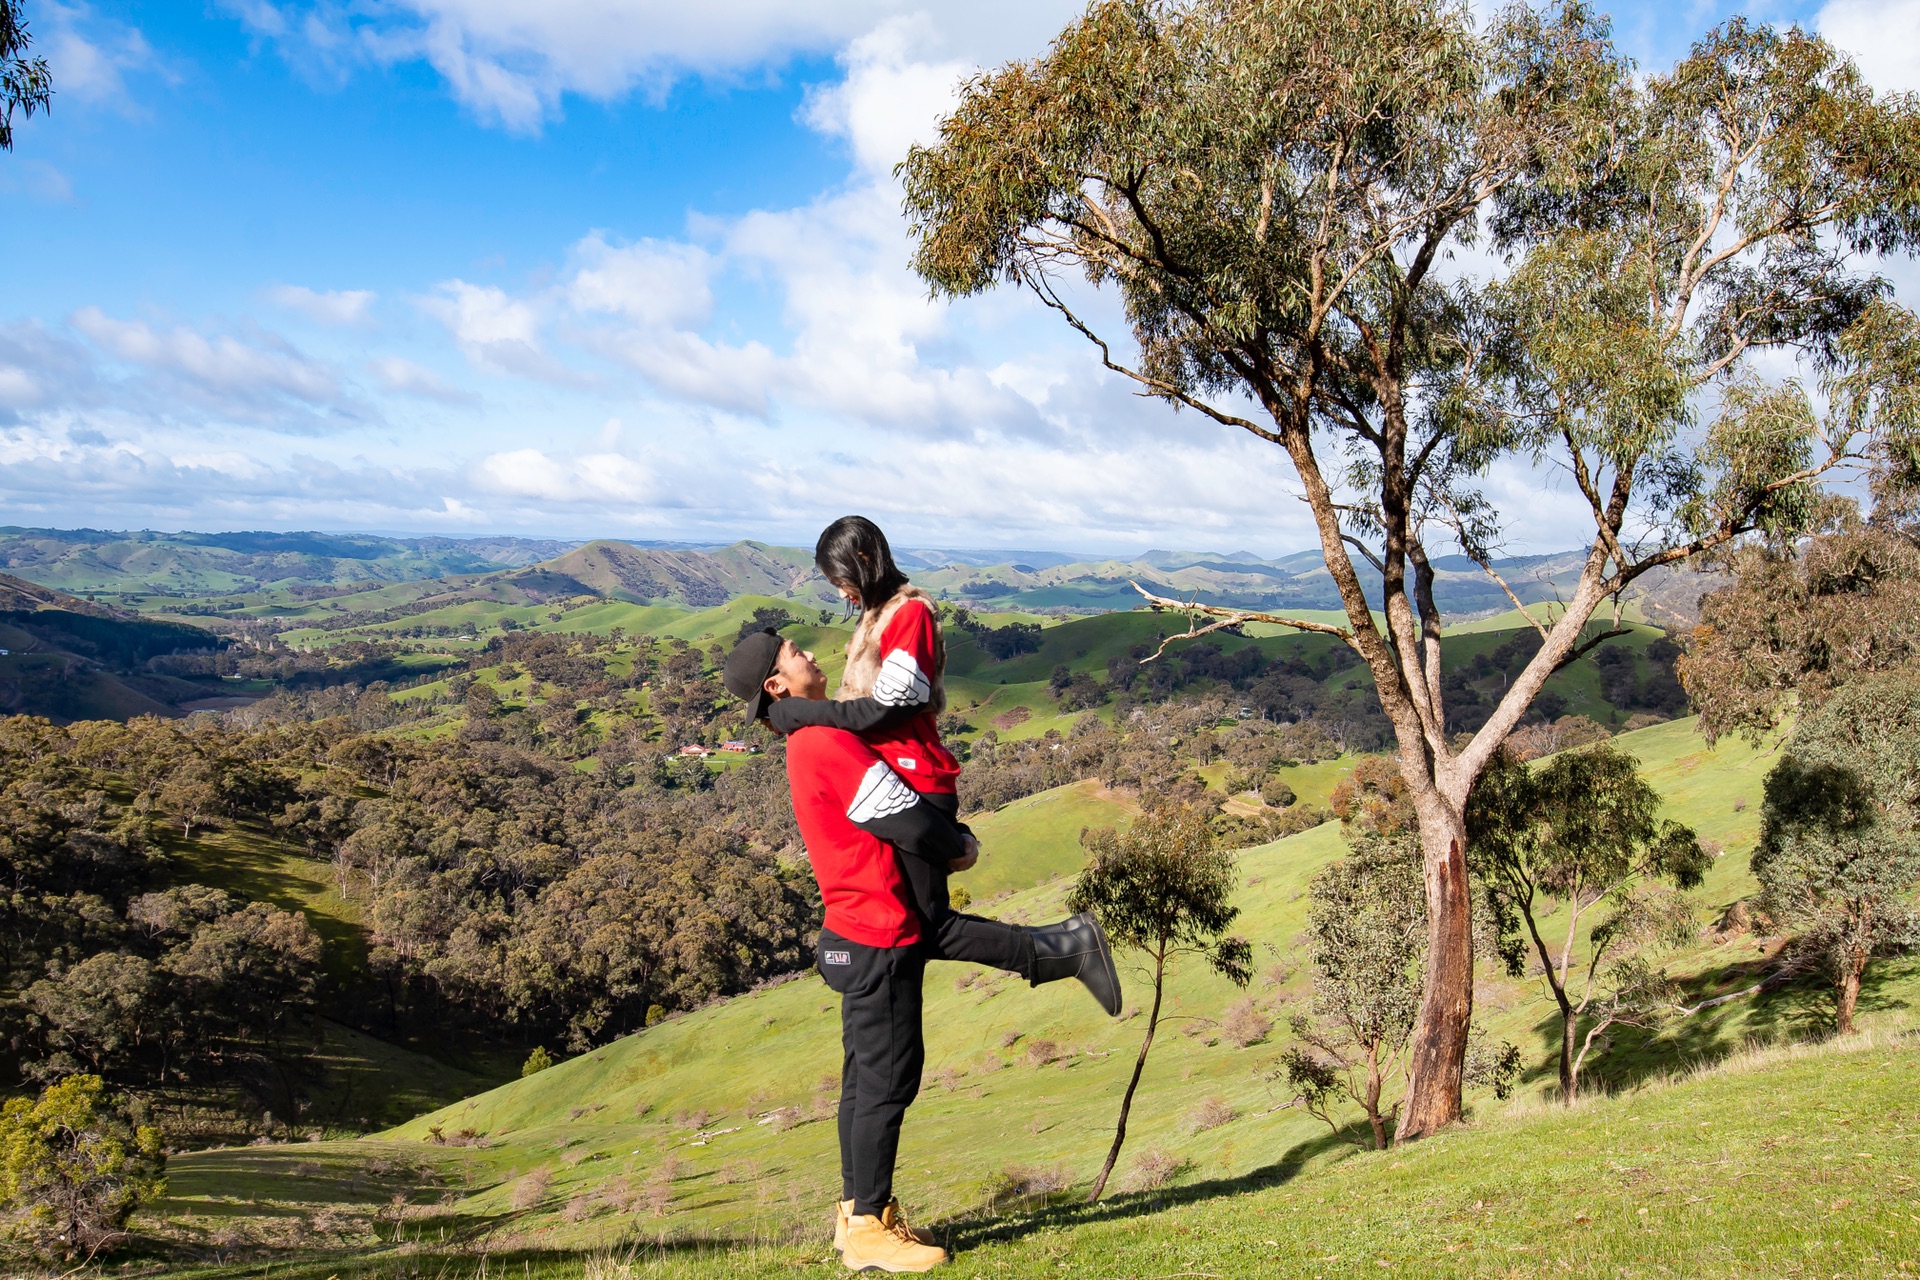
(971, 856)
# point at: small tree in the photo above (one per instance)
(1839, 853)
(24, 84)
(74, 1167)
(1162, 888)
(1581, 832)
(1366, 929)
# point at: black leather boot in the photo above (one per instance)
(1077, 948)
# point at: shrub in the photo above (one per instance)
(74, 1166)
(531, 1190)
(1041, 1052)
(1021, 1182)
(1245, 1025)
(1275, 791)
(1211, 1113)
(536, 1062)
(1156, 1167)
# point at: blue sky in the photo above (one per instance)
(582, 268)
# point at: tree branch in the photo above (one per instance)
(1227, 618)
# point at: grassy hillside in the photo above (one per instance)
(1037, 839)
(720, 1120)
(1774, 1163)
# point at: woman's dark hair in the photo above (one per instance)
(854, 551)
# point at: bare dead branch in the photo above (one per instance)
(1226, 618)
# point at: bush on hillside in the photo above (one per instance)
(74, 1165)
(1839, 853)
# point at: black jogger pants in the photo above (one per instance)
(951, 935)
(883, 1053)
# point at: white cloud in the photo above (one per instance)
(511, 62)
(497, 331)
(90, 57)
(404, 377)
(592, 478)
(652, 283)
(889, 99)
(261, 379)
(1882, 35)
(337, 307)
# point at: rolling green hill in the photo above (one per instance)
(717, 1124)
(179, 564)
(1781, 1162)
(68, 659)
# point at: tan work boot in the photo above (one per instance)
(886, 1242)
(843, 1210)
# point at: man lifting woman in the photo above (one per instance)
(875, 798)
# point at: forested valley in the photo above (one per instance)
(529, 858)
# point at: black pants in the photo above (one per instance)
(951, 935)
(883, 1053)
(883, 1048)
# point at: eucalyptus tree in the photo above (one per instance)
(25, 85)
(1274, 189)
(1839, 853)
(1164, 888)
(1582, 834)
(1800, 622)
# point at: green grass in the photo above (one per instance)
(251, 864)
(1776, 1163)
(1037, 839)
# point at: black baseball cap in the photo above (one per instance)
(748, 667)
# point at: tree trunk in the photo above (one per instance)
(1139, 1065)
(1569, 1020)
(1439, 1046)
(1848, 998)
(1373, 1096)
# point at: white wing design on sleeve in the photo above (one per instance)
(901, 683)
(881, 795)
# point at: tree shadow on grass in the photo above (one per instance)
(1781, 1013)
(961, 1234)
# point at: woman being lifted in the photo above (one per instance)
(891, 694)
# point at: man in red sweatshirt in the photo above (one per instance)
(859, 820)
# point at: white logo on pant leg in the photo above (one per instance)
(839, 957)
(881, 795)
(900, 682)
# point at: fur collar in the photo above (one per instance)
(864, 656)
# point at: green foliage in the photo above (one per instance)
(74, 1167)
(1583, 831)
(1839, 853)
(765, 618)
(536, 1062)
(1800, 621)
(1164, 888)
(25, 85)
(1366, 938)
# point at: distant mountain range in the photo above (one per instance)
(342, 567)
